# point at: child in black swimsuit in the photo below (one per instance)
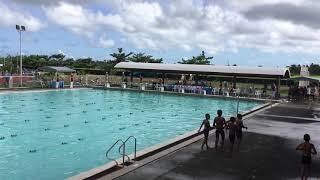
(240, 126)
(219, 123)
(307, 149)
(232, 126)
(206, 129)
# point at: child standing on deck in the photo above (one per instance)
(240, 126)
(307, 149)
(206, 129)
(219, 123)
(232, 126)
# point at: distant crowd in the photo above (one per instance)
(297, 93)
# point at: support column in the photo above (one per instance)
(131, 79)
(163, 77)
(86, 79)
(107, 83)
(234, 82)
(196, 79)
(123, 76)
(278, 86)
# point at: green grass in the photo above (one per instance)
(314, 76)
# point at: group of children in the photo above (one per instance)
(234, 125)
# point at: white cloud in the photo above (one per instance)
(105, 42)
(11, 17)
(79, 20)
(61, 52)
(182, 24)
(188, 25)
(247, 4)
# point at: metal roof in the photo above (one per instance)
(206, 69)
(62, 69)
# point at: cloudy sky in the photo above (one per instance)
(243, 32)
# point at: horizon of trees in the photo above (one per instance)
(34, 61)
(200, 59)
(314, 69)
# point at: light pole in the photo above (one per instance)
(20, 28)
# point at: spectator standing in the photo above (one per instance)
(273, 89)
(71, 81)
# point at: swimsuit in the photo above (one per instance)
(219, 128)
(206, 133)
(232, 137)
(206, 129)
(221, 132)
(239, 130)
(306, 159)
(232, 133)
(239, 134)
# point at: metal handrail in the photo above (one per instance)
(123, 151)
(135, 146)
(238, 98)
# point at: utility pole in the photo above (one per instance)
(17, 63)
(20, 28)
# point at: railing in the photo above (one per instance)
(135, 147)
(238, 100)
(122, 150)
(245, 92)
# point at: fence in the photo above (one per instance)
(248, 89)
(14, 81)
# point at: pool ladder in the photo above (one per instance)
(122, 150)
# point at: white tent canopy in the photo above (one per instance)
(206, 69)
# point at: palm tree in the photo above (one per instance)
(200, 59)
(141, 57)
(120, 56)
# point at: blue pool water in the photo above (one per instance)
(57, 134)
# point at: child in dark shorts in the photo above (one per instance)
(307, 149)
(219, 123)
(240, 126)
(231, 125)
(206, 129)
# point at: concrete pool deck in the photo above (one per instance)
(267, 151)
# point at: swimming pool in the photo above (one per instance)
(58, 134)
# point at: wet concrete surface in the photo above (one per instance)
(295, 120)
(267, 151)
(306, 110)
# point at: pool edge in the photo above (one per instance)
(31, 90)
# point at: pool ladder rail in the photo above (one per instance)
(122, 151)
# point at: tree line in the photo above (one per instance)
(34, 61)
(314, 69)
(11, 63)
